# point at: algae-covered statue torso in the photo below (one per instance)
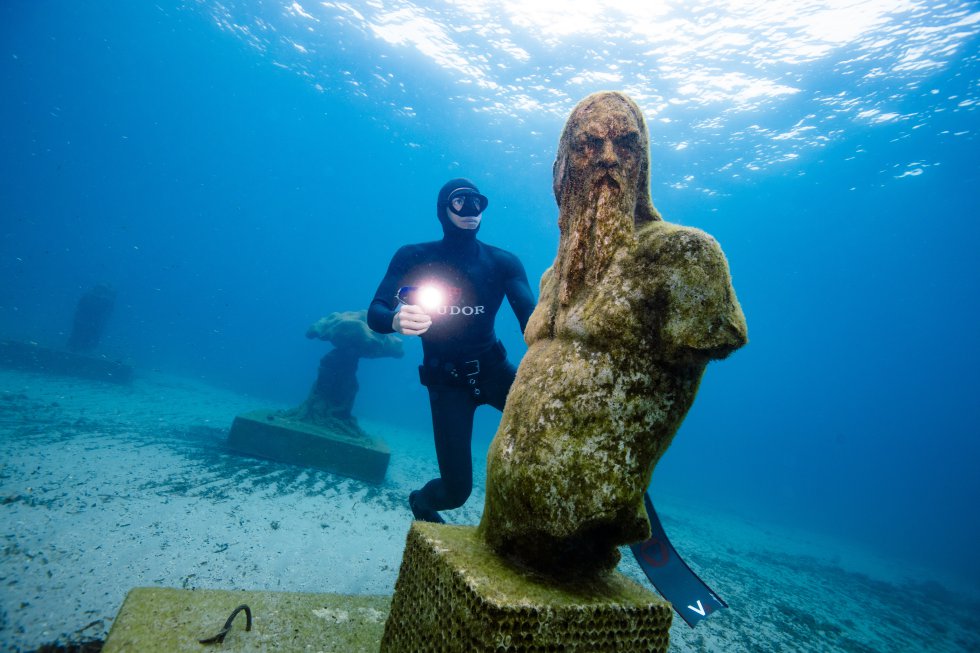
(629, 316)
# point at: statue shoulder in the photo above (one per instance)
(686, 268)
(665, 241)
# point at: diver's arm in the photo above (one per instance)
(407, 320)
(411, 320)
(381, 317)
(518, 291)
(384, 307)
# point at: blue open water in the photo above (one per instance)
(238, 169)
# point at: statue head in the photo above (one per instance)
(348, 332)
(602, 186)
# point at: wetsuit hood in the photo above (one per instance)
(451, 233)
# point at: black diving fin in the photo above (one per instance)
(689, 595)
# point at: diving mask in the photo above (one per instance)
(466, 202)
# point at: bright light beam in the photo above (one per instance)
(430, 298)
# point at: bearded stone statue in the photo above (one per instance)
(629, 315)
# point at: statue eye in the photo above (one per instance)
(628, 141)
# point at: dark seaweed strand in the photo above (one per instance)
(220, 637)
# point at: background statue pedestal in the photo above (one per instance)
(321, 432)
(76, 359)
(32, 357)
(454, 594)
(270, 434)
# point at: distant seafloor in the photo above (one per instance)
(104, 488)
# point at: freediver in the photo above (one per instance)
(448, 293)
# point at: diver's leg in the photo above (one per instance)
(452, 426)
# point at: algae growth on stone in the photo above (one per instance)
(629, 315)
(455, 595)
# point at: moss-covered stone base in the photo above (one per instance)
(454, 594)
(268, 434)
(164, 620)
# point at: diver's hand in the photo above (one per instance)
(411, 320)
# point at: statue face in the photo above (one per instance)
(606, 147)
(597, 182)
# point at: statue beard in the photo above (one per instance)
(595, 222)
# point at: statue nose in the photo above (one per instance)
(607, 157)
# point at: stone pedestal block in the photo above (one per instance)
(35, 358)
(454, 594)
(266, 434)
(166, 620)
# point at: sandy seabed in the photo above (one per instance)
(104, 488)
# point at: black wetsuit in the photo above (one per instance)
(464, 365)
